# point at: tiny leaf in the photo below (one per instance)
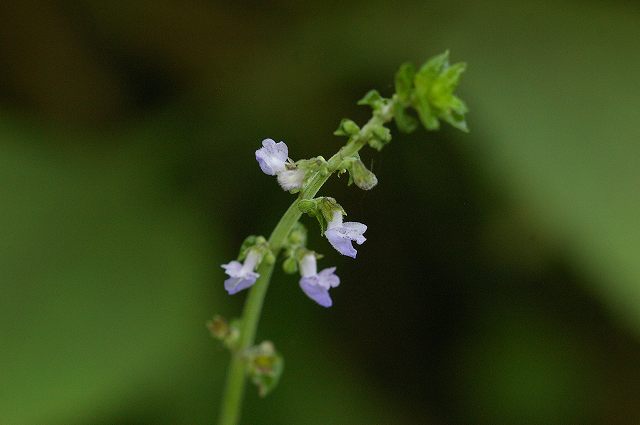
(372, 98)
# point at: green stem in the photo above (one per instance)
(234, 389)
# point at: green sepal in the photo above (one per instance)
(371, 98)
(308, 206)
(326, 208)
(258, 243)
(322, 209)
(427, 117)
(248, 242)
(404, 82)
(311, 208)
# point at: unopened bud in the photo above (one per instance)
(362, 176)
(290, 265)
(347, 128)
(269, 257)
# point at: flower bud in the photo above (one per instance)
(269, 257)
(362, 176)
(347, 128)
(290, 265)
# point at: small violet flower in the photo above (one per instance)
(340, 235)
(316, 285)
(272, 156)
(242, 276)
(291, 179)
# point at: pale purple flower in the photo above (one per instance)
(316, 285)
(341, 235)
(291, 179)
(241, 276)
(272, 156)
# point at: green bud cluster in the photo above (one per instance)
(422, 96)
(265, 366)
(294, 247)
(430, 92)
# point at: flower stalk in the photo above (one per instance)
(429, 91)
(236, 378)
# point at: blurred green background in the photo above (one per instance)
(500, 283)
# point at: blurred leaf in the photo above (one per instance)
(371, 98)
(558, 119)
(103, 281)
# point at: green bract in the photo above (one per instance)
(372, 98)
(347, 128)
(253, 242)
(433, 97)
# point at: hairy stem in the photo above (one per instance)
(234, 389)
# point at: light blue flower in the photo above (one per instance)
(316, 285)
(242, 276)
(272, 156)
(341, 235)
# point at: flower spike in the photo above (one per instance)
(422, 95)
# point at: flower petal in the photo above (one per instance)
(354, 231)
(272, 156)
(341, 242)
(317, 293)
(234, 285)
(233, 268)
(327, 278)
